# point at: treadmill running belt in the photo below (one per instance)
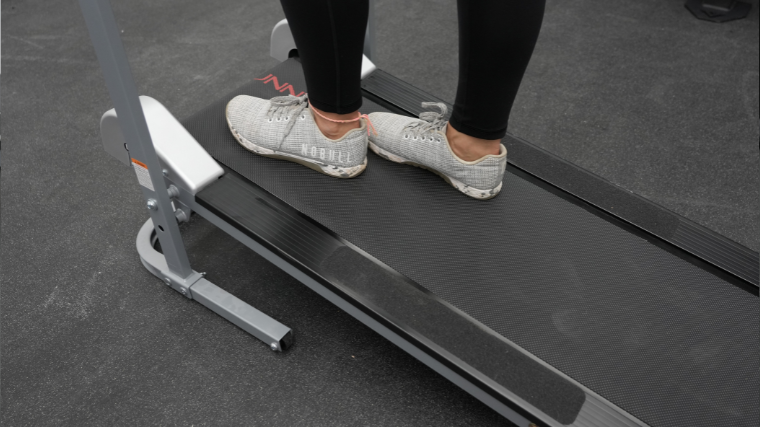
(664, 339)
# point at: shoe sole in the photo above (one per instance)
(473, 192)
(329, 170)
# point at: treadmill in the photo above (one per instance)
(579, 304)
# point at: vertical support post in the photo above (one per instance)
(369, 36)
(105, 38)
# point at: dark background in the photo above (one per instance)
(640, 93)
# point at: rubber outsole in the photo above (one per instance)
(473, 192)
(329, 170)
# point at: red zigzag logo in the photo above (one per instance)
(280, 87)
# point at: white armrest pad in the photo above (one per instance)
(189, 165)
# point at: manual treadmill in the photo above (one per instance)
(580, 304)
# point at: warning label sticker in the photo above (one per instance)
(143, 177)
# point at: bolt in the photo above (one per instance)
(183, 291)
(274, 346)
(180, 215)
(165, 172)
(168, 282)
(152, 204)
(173, 191)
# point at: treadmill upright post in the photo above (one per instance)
(121, 86)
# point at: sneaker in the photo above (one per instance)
(284, 128)
(422, 142)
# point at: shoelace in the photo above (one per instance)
(429, 120)
(286, 108)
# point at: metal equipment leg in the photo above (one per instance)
(172, 265)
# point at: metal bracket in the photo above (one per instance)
(155, 262)
(195, 286)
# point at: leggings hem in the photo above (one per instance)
(340, 109)
(476, 133)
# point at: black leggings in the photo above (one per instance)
(496, 40)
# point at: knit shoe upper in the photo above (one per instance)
(284, 128)
(422, 142)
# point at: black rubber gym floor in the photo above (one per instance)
(640, 93)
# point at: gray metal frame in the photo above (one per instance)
(172, 265)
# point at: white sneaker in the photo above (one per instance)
(284, 128)
(422, 142)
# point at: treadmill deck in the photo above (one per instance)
(657, 334)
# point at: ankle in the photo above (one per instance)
(469, 148)
(334, 130)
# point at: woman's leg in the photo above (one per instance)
(329, 35)
(496, 41)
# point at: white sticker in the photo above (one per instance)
(143, 176)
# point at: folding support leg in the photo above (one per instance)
(278, 336)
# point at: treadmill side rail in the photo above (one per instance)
(186, 162)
